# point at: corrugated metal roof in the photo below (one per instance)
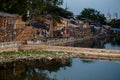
(7, 14)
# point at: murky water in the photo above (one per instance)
(112, 43)
(66, 69)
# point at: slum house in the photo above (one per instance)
(31, 33)
(86, 30)
(98, 29)
(55, 29)
(70, 27)
(116, 31)
(62, 28)
(74, 30)
(37, 31)
(95, 28)
(79, 28)
(48, 22)
(59, 29)
(10, 26)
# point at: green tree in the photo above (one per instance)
(14, 6)
(36, 7)
(92, 14)
(58, 12)
(115, 23)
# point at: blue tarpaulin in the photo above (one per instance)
(116, 29)
(38, 25)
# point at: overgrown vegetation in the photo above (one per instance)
(82, 54)
(92, 14)
(27, 52)
(115, 23)
(35, 8)
(33, 52)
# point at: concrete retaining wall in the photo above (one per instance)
(9, 46)
(86, 51)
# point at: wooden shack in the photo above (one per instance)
(10, 26)
(63, 24)
(86, 30)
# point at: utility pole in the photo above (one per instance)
(51, 28)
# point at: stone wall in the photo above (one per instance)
(80, 52)
(9, 46)
(69, 49)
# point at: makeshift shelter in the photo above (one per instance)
(64, 23)
(10, 25)
(38, 25)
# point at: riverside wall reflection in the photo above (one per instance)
(102, 43)
(31, 69)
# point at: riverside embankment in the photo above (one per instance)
(80, 52)
(50, 51)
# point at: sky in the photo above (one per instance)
(104, 6)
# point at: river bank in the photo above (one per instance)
(50, 51)
(82, 52)
(53, 52)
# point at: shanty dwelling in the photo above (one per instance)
(97, 30)
(47, 21)
(35, 33)
(64, 23)
(86, 30)
(10, 26)
(58, 29)
(80, 31)
(71, 27)
(61, 28)
(74, 30)
(92, 29)
(117, 32)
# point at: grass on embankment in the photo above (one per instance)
(38, 54)
(32, 54)
(26, 52)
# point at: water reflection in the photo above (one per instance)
(102, 43)
(87, 61)
(32, 69)
(57, 69)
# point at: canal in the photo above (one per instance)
(66, 69)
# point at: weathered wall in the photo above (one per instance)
(9, 46)
(87, 52)
(68, 49)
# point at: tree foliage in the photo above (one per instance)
(115, 23)
(92, 14)
(58, 12)
(36, 7)
(14, 6)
